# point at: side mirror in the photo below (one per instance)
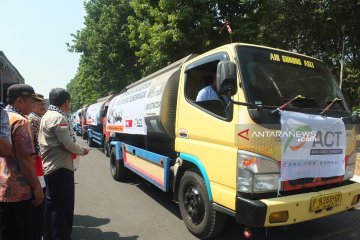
(226, 78)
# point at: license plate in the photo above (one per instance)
(325, 201)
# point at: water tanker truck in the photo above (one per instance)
(76, 122)
(96, 121)
(271, 141)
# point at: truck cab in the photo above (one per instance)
(240, 151)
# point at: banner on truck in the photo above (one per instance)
(93, 114)
(312, 146)
(126, 112)
(76, 117)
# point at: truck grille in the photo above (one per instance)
(303, 181)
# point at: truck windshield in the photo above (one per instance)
(272, 77)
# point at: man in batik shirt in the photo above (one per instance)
(20, 189)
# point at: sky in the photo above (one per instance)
(33, 36)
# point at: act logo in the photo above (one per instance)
(291, 139)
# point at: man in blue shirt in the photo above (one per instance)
(208, 92)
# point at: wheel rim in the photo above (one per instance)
(194, 204)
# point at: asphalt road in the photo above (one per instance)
(110, 210)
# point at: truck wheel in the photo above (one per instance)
(117, 168)
(196, 209)
(106, 147)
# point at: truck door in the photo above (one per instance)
(205, 128)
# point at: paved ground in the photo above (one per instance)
(110, 210)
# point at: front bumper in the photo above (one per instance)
(256, 213)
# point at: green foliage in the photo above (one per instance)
(166, 30)
(123, 38)
(107, 62)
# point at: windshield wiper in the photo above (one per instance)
(331, 103)
(258, 107)
(287, 103)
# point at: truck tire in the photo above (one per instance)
(106, 147)
(117, 168)
(196, 209)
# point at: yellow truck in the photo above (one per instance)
(260, 134)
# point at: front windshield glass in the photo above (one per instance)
(273, 77)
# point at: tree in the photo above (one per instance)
(164, 31)
(313, 27)
(123, 38)
(107, 61)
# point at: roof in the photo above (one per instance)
(8, 75)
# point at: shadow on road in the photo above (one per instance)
(86, 228)
(165, 199)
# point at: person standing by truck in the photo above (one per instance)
(57, 146)
(39, 109)
(20, 190)
(35, 118)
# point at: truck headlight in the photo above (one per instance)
(350, 167)
(257, 173)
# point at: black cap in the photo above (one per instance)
(21, 90)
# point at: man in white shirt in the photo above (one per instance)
(208, 92)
